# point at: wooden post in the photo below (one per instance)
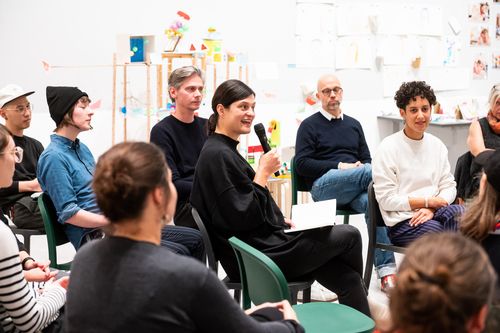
(148, 99)
(227, 66)
(215, 76)
(113, 103)
(125, 102)
(246, 74)
(159, 86)
(240, 72)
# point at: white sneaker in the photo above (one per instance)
(319, 294)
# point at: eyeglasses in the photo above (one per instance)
(22, 108)
(327, 92)
(17, 152)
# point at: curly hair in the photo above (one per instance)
(410, 90)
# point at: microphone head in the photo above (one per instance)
(259, 129)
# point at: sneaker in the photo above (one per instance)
(388, 282)
(320, 294)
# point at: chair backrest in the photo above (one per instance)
(209, 251)
(54, 230)
(373, 207)
(262, 280)
(298, 183)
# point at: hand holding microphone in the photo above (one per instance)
(267, 161)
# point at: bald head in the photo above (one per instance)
(330, 93)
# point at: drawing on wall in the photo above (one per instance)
(479, 36)
(452, 49)
(314, 35)
(498, 27)
(354, 52)
(479, 67)
(479, 12)
(496, 60)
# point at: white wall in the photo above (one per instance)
(76, 33)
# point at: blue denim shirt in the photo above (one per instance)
(65, 171)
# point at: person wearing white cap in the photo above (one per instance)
(16, 109)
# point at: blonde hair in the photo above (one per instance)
(494, 95)
(444, 280)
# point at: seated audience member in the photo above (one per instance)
(65, 172)
(182, 134)
(233, 200)
(16, 199)
(485, 132)
(445, 284)
(128, 283)
(481, 220)
(22, 309)
(334, 159)
(411, 173)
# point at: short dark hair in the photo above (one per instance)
(125, 175)
(410, 90)
(227, 93)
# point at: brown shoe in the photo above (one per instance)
(388, 282)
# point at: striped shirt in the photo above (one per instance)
(20, 309)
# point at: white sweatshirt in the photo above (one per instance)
(404, 168)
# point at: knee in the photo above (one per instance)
(350, 233)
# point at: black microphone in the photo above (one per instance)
(261, 134)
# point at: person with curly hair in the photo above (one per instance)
(411, 172)
(445, 284)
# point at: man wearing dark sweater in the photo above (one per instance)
(333, 158)
(16, 110)
(182, 134)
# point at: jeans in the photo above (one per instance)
(349, 188)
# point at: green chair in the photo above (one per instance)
(262, 281)
(54, 230)
(298, 184)
(213, 263)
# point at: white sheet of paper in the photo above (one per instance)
(313, 215)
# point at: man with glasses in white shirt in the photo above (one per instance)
(16, 109)
(333, 158)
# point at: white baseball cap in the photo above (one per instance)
(10, 92)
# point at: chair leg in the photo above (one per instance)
(306, 295)
(293, 297)
(27, 242)
(369, 265)
(237, 295)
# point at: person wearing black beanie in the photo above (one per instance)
(66, 167)
(62, 100)
(65, 172)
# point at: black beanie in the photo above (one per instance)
(61, 100)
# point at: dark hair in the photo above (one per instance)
(227, 93)
(5, 134)
(410, 90)
(125, 175)
(443, 280)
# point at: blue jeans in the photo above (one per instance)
(349, 188)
